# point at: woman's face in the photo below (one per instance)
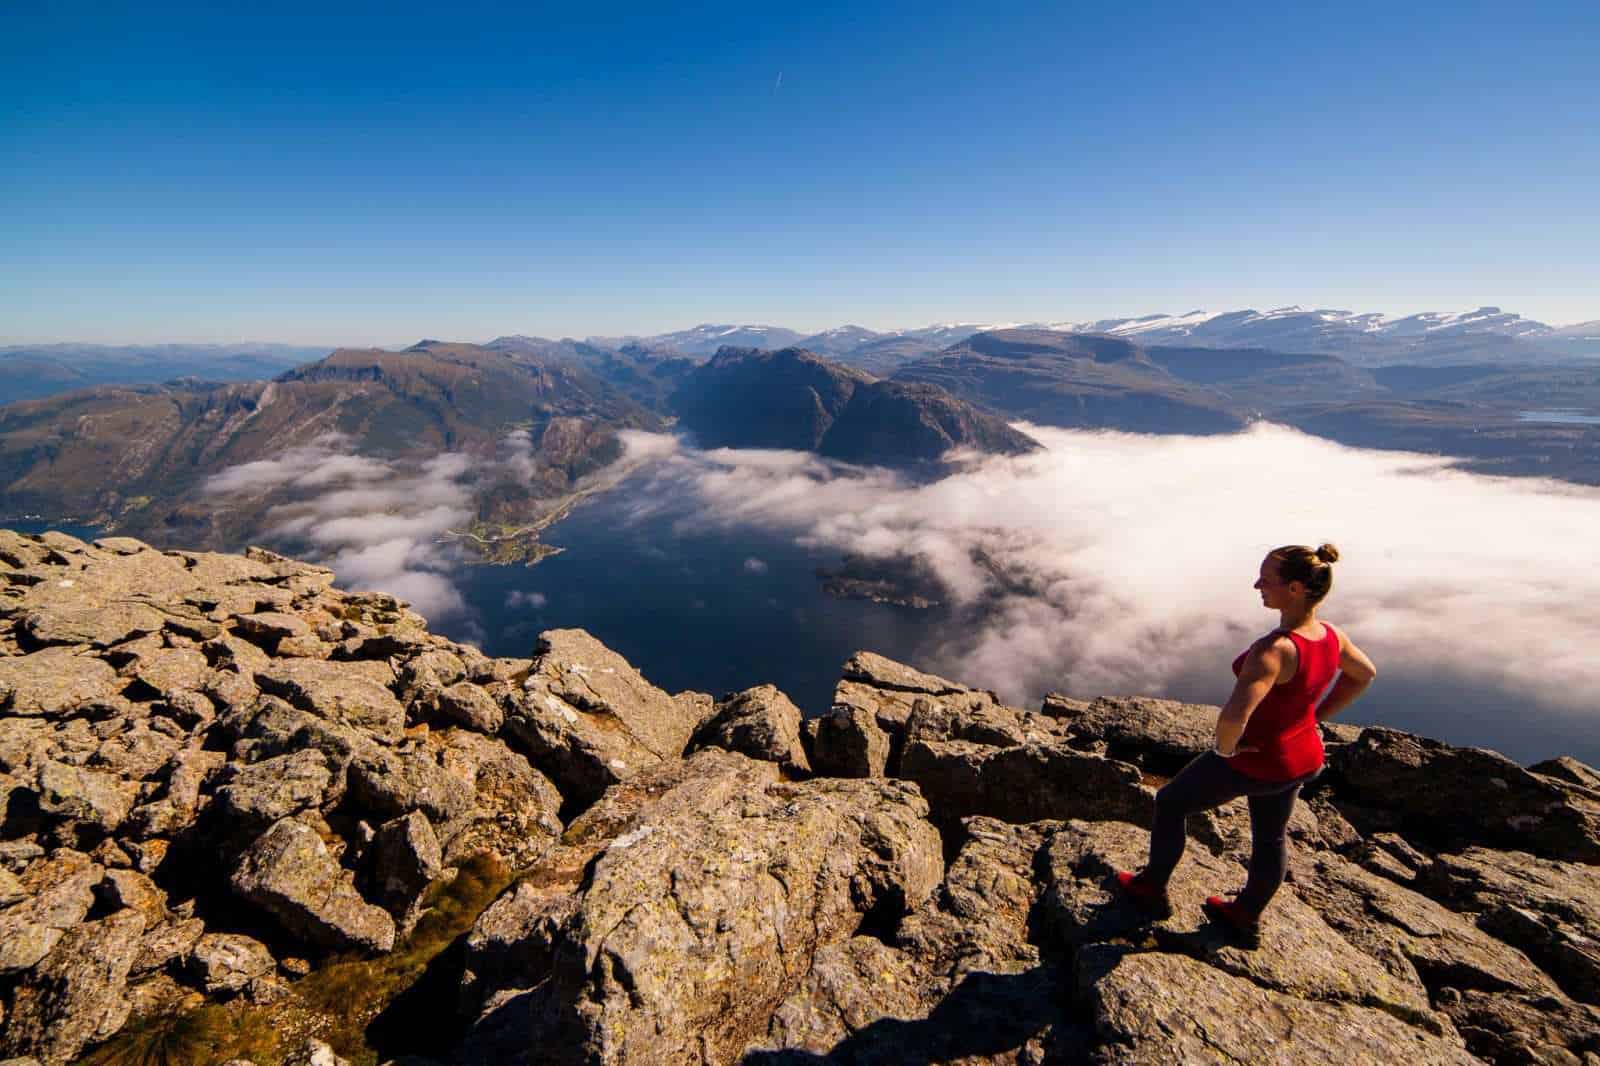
(1275, 593)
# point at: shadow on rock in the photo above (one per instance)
(985, 1014)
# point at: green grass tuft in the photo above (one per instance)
(337, 1003)
(210, 1034)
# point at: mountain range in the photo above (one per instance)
(1487, 334)
(535, 417)
(1432, 338)
(140, 456)
(529, 420)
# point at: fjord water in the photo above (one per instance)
(706, 610)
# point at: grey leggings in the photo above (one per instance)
(1209, 782)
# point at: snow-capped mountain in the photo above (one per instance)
(1363, 337)
(839, 340)
(946, 333)
(1231, 324)
(1483, 320)
(706, 339)
(1486, 334)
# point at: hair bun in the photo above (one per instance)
(1328, 553)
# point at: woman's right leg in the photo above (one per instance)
(1269, 847)
(1208, 781)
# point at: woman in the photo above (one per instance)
(1268, 744)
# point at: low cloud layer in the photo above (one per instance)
(1131, 557)
(385, 525)
(1142, 551)
(379, 525)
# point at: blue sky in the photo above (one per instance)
(371, 174)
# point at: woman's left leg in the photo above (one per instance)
(1208, 781)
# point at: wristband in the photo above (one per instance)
(1225, 754)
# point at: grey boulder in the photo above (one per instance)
(289, 873)
(760, 722)
(77, 994)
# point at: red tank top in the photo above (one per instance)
(1284, 725)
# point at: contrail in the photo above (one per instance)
(777, 84)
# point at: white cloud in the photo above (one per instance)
(753, 565)
(638, 446)
(324, 461)
(516, 450)
(379, 525)
(519, 598)
(1143, 550)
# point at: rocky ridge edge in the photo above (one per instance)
(219, 775)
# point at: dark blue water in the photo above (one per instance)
(82, 532)
(686, 609)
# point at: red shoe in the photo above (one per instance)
(1150, 898)
(1236, 920)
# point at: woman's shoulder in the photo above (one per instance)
(1277, 641)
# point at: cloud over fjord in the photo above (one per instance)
(1135, 557)
(379, 524)
(385, 523)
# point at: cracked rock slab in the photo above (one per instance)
(1413, 935)
(173, 670)
(870, 668)
(1158, 735)
(99, 625)
(588, 720)
(1512, 1028)
(406, 860)
(1154, 1007)
(511, 944)
(847, 742)
(695, 924)
(471, 706)
(515, 809)
(58, 891)
(86, 797)
(77, 995)
(1547, 908)
(1455, 797)
(265, 792)
(960, 980)
(227, 962)
(1024, 783)
(355, 694)
(1299, 955)
(54, 682)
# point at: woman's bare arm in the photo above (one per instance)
(1256, 678)
(1356, 672)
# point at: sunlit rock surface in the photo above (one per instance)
(225, 783)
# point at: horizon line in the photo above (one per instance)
(9, 342)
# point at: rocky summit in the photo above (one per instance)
(248, 817)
